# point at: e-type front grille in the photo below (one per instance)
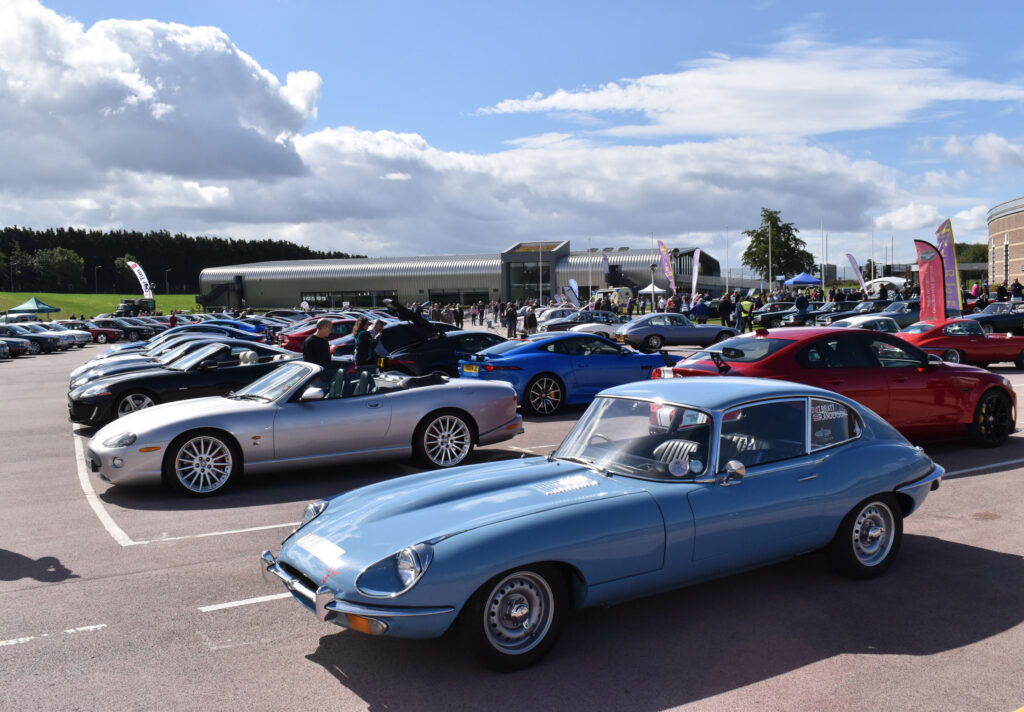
(300, 577)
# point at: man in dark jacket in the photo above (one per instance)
(725, 309)
(511, 321)
(317, 349)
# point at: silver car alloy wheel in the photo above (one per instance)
(133, 402)
(952, 356)
(873, 533)
(545, 396)
(33, 348)
(203, 464)
(101, 338)
(447, 440)
(518, 613)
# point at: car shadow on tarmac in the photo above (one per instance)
(705, 640)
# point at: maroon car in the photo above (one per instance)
(100, 334)
(295, 338)
(921, 396)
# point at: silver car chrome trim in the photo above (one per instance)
(934, 476)
(339, 606)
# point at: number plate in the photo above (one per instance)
(471, 368)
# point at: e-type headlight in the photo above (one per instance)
(312, 511)
(120, 440)
(397, 573)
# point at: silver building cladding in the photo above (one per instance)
(516, 273)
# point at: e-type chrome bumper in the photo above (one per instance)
(334, 610)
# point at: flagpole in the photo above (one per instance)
(726, 259)
(771, 277)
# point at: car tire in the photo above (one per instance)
(33, 348)
(722, 336)
(952, 356)
(1019, 361)
(993, 419)
(443, 439)
(602, 334)
(101, 338)
(132, 402)
(869, 538)
(202, 463)
(774, 323)
(545, 395)
(988, 327)
(133, 336)
(653, 342)
(513, 620)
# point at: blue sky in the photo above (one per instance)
(417, 128)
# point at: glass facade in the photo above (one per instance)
(523, 279)
(331, 300)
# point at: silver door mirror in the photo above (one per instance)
(312, 393)
(734, 472)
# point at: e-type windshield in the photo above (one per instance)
(865, 307)
(639, 438)
(997, 308)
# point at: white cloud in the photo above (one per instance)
(973, 219)
(799, 87)
(997, 152)
(909, 217)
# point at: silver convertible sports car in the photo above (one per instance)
(661, 483)
(293, 417)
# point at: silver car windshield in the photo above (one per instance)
(174, 354)
(639, 438)
(275, 384)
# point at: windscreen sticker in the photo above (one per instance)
(823, 412)
(680, 467)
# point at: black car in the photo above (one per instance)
(440, 355)
(166, 355)
(869, 306)
(132, 332)
(16, 346)
(211, 371)
(393, 337)
(38, 343)
(808, 317)
(772, 314)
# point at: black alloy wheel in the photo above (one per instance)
(545, 394)
(993, 419)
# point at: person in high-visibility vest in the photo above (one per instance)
(746, 311)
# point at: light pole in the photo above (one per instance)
(96, 277)
(13, 263)
(653, 267)
(167, 280)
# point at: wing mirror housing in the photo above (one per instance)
(932, 363)
(208, 365)
(735, 471)
(312, 393)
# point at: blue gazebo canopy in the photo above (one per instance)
(33, 306)
(802, 280)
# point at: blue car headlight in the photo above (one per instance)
(120, 440)
(312, 511)
(397, 573)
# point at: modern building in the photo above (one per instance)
(1006, 241)
(523, 271)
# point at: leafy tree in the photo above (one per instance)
(788, 253)
(60, 267)
(971, 251)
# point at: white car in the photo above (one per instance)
(873, 322)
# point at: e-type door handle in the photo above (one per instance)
(809, 477)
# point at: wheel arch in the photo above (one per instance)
(474, 429)
(226, 434)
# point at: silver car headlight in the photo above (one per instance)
(98, 390)
(397, 573)
(79, 382)
(120, 440)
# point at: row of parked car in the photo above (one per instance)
(503, 550)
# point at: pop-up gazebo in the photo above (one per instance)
(802, 280)
(652, 288)
(33, 306)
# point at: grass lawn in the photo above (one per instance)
(92, 304)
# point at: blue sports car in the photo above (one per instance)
(660, 484)
(567, 367)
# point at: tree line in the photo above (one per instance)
(71, 260)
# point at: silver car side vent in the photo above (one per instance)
(566, 484)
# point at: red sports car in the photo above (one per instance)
(922, 397)
(295, 338)
(964, 341)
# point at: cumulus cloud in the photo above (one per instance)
(908, 217)
(973, 219)
(143, 96)
(798, 87)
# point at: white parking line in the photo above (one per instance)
(245, 602)
(118, 533)
(30, 638)
(984, 467)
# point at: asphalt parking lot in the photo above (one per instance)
(140, 599)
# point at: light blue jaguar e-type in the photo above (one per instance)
(659, 485)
